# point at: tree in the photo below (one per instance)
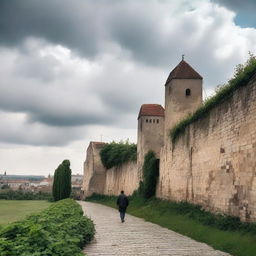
(62, 181)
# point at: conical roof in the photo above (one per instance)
(151, 110)
(183, 71)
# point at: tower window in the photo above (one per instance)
(157, 120)
(146, 120)
(153, 120)
(188, 92)
(150, 120)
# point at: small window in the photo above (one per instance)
(153, 120)
(150, 121)
(188, 92)
(146, 120)
(157, 120)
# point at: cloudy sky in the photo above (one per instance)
(78, 71)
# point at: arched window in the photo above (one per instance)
(188, 92)
(146, 120)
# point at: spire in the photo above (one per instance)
(183, 71)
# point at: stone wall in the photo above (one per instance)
(94, 171)
(214, 162)
(124, 177)
(109, 182)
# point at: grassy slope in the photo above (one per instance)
(235, 243)
(13, 210)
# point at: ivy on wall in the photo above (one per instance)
(150, 175)
(115, 154)
(243, 74)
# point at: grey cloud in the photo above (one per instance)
(237, 5)
(59, 21)
(17, 130)
(89, 27)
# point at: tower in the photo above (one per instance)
(183, 94)
(150, 132)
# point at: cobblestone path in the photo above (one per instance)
(137, 237)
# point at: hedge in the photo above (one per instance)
(60, 230)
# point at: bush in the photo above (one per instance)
(243, 74)
(59, 230)
(147, 187)
(114, 154)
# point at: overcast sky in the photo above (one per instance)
(78, 71)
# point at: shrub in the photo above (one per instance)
(114, 154)
(59, 230)
(62, 181)
(243, 74)
(150, 174)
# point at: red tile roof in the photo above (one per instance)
(183, 71)
(151, 110)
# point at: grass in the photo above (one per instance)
(167, 214)
(13, 210)
(242, 76)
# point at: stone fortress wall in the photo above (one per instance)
(212, 164)
(97, 179)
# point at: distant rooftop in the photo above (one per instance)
(183, 71)
(151, 110)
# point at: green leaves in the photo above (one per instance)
(62, 181)
(115, 154)
(60, 230)
(150, 174)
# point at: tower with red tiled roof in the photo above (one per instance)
(183, 94)
(150, 132)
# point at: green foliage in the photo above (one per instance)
(9, 194)
(60, 230)
(223, 232)
(147, 187)
(114, 154)
(62, 181)
(243, 74)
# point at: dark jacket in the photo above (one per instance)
(122, 202)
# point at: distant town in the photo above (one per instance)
(35, 183)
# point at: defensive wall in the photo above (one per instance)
(97, 179)
(214, 162)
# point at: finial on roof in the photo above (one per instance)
(183, 56)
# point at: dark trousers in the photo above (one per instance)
(122, 212)
(122, 215)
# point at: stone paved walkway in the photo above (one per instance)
(137, 237)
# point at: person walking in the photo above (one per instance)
(122, 203)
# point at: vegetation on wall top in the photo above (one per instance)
(114, 154)
(243, 74)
